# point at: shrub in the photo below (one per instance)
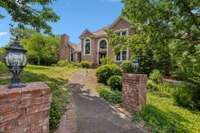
(127, 66)
(115, 82)
(183, 97)
(104, 72)
(152, 86)
(113, 97)
(62, 63)
(196, 95)
(54, 116)
(156, 76)
(106, 60)
(85, 64)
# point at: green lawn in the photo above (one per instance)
(55, 77)
(164, 115)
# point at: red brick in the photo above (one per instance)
(18, 111)
(134, 91)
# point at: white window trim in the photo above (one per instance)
(84, 42)
(121, 30)
(127, 56)
(99, 48)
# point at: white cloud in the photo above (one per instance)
(3, 33)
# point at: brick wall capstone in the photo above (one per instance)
(25, 110)
(134, 91)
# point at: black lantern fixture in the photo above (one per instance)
(15, 60)
(135, 65)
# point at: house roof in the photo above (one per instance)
(76, 47)
(101, 32)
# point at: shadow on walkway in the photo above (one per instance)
(94, 115)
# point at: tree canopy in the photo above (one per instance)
(35, 13)
(166, 37)
(41, 49)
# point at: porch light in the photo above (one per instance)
(135, 66)
(15, 60)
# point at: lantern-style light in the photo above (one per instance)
(135, 65)
(15, 60)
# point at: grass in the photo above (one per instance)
(164, 115)
(55, 77)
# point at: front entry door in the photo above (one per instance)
(101, 55)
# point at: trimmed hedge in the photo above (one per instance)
(115, 82)
(104, 72)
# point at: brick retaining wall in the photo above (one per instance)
(25, 110)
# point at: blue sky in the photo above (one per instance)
(76, 15)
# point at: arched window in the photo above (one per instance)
(87, 46)
(103, 44)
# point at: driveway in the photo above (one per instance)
(89, 113)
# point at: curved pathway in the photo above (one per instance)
(88, 113)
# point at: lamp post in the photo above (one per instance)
(15, 60)
(135, 66)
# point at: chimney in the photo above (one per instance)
(64, 39)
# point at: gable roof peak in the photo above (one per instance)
(117, 20)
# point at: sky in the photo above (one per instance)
(75, 17)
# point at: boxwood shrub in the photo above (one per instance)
(115, 82)
(104, 72)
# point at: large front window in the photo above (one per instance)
(87, 46)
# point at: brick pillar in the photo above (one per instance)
(25, 110)
(134, 91)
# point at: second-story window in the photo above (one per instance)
(122, 33)
(87, 46)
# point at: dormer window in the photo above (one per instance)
(87, 46)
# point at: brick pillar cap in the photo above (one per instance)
(29, 87)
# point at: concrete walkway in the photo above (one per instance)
(88, 113)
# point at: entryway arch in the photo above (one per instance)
(102, 49)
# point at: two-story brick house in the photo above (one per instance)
(94, 45)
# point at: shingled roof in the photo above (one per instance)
(76, 47)
(102, 32)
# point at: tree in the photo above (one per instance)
(167, 31)
(26, 13)
(41, 49)
(170, 19)
(157, 24)
(2, 53)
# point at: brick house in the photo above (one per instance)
(69, 51)
(94, 45)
